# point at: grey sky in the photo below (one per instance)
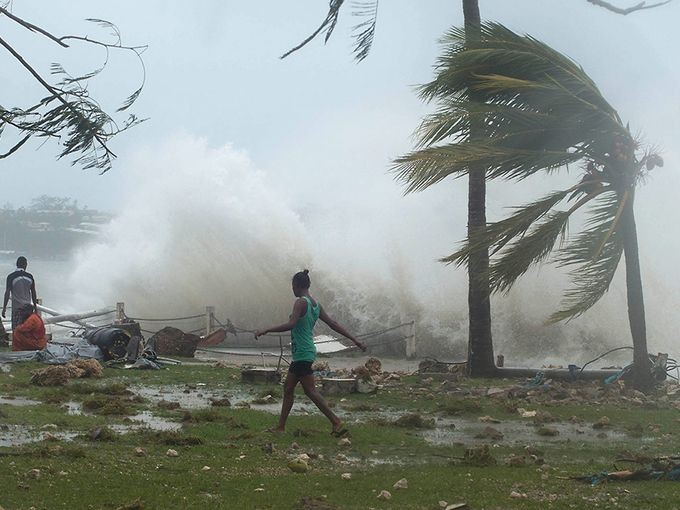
(213, 72)
(324, 129)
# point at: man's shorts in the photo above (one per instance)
(301, 368)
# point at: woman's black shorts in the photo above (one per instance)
(301, 368)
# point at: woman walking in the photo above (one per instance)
(306, 311)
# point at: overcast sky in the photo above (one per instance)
(323, 129)
(213, 71)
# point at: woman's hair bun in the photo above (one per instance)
(306, 271)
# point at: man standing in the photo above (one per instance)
(21, 286)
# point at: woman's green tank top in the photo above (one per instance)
(302, 335)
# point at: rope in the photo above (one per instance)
(171, 319)
(429, 358)
(602, 356)
(363, 335)
(231, 353)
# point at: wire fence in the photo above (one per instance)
(203, 324)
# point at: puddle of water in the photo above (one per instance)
(186, 398)
(73, 408)
(199, 398)
(18, 401)
(18, 435)
(146, 419)
(451, 431)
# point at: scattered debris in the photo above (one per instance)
(298, 465)
(384, 495)
(346, 476)
(345, 442)
(252, 375)
(401, 484)
(601, 423)
(518, 495)
(547, 431)
(366, 387)
(137, 504)
(318, 503)
(479, 456)
(172, 453)
(488, 419)
(57, 375)
(171, 341)
(526, 414)
(490, 433)
(321, 366)
(102, 434)
(657, 469)
(516, 460)
(167, 404)
(338, 386)
(80, 368)
(220, 402)
(374, 366)
(414, 421)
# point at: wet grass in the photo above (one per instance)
(227, 459)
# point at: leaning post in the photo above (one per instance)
(411, 341)
(209, 318)
(120, 312)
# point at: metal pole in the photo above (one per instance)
(209, 314)
(411, 342)
(120, 312)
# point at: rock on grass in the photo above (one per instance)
(414, 421)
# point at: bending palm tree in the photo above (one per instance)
(539, 111)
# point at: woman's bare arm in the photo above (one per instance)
(299, 309)
(339, 328)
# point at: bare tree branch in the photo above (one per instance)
(16, 147)
(627, 10)
(32, 27)
(55, 94)
(68, 110)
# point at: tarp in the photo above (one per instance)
(56, 353)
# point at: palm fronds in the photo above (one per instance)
(595, 263)
(537, 108)
(363, 32)
(537, 111)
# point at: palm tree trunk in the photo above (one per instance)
(480, 345)
(642, 375)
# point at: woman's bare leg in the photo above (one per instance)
(288, 399)
(308, 385)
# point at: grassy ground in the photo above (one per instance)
(227, 459)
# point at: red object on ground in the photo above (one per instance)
(29, 335)
(214, 338)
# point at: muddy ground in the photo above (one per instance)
(194, 436)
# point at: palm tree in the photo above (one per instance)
(480, 360)
(538, 111)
